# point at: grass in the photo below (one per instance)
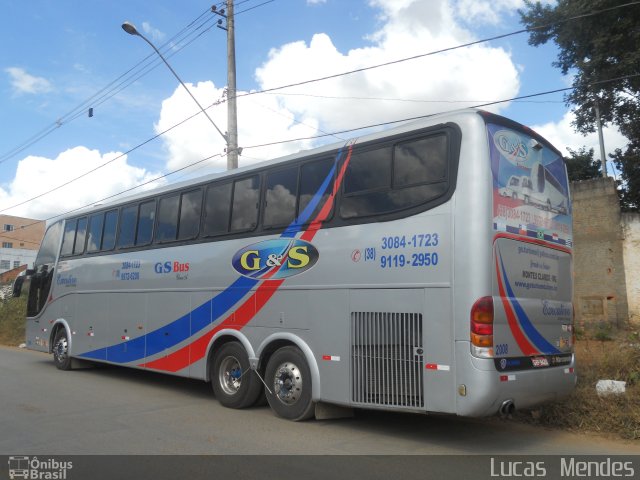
(615, 357)
(12, 321)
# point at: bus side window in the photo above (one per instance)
(217, 208)
(420, 161)
(109, 232)
(244, 212)
(167, 228)
(368, 170)
(190, 212)
(81, 235)
(94, 234)
(128, 221)
(281, 197)
(312, 175)
(69, 237)
(145, 222)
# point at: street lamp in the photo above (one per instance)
(131, 30)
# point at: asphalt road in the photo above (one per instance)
(122, 411)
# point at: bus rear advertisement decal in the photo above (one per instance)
(530, 187)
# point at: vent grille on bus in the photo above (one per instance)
(387, 359)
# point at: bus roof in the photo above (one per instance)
(421, 122)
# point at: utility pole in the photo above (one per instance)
(232, 113)
(603, 157)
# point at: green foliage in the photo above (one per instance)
(628, 164)
(12, 321)
(582, 166)
(602, 53)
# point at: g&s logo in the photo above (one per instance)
(275, 259)
(511, 146)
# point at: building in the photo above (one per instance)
(19, 242)
(606, 256)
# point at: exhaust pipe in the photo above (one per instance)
(507, 408)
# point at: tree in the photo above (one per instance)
(581, 165)
(602, 51)
(628, 164)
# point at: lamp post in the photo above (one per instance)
(131, 30)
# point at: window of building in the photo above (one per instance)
(8, 227)
(16, 263)
(7, 245)
(5, 264)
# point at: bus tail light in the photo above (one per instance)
(482, 328)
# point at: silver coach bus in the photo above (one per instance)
(388, 272)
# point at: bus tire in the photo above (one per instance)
(289, 379)
(61, 358)
(233, 382)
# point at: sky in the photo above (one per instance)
(61, 59)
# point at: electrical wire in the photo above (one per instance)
(279, 142)
(359, 70)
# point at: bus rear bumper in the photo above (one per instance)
(486, 389)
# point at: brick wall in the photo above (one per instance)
(600, 294)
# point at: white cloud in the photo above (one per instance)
(156, 35)
(562, 135)
(486, 11)
(260, 119)
(316, 2)
(35, 175)
(411, 27)
(22, 82)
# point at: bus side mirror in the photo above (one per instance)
(29, 271)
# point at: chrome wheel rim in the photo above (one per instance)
(61, 350)
(287, 383)
(230, 375)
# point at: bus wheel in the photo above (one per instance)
(289, 379)
(234, 385)
(61, 357)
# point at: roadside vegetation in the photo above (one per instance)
(602, 355)
(12, 315)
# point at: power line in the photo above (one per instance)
(435, 52)
(376, 125)
(140, 69)
(387, 99)
(355, 71)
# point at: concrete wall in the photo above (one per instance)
(600, 294)
(631, 250)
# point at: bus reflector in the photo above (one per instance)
(482, 327)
